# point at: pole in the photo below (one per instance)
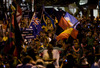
(99, 7)
(32, 5)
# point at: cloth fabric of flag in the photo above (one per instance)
(42, 22)
(35, 24)
(18, 14)
(14, 40)
(67, 23)
(11, 38)
(59, 14)
(66, 33)
(18, 39)
(70, 19)
(63, 23)
(74, 33)
(76, 25)
(47, 15)
(13, 8)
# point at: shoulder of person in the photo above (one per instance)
(19, 65)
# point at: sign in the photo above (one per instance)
(28, 33)
(99, 8)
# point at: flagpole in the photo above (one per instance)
(31, 19)
(75, 24)
(41, 14)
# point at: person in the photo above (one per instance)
(1, 61)
(68, 62)
(1, 43)
(26, 63)
(95, 45)
(5, 38)
(90, 40)
(39, 62)
(1, 30)
(76, 52)
(49, 25)
(84, 63)
(96, 64)
(84, 47)
(51, 57)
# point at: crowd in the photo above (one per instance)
(45, 51)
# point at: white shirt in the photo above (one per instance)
(55, 56)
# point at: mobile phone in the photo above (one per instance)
(98, 26)
(66, 60)
(88, 26)
(4, 66)
(62, 59)
(99, 41)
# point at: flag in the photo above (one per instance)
(35, 24)
(70, 19)
(13, 46)
(63, 23)
(74, 33)
(67, 21)
(66, 33)
(59, 14)
(11, 38)
(47, 15)
(13, 8)
(18, 14)
(76, 25)
(18, 39)
(5, 22)
(42, 22)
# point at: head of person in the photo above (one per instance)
(95, 43)
(48, 21)
(89, 34)
(26, 60)
(84, 41)
(40, 62)
(37, 41)
(76, 41)
(76, 45)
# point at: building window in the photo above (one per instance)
(82, 2)
(7, 3)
